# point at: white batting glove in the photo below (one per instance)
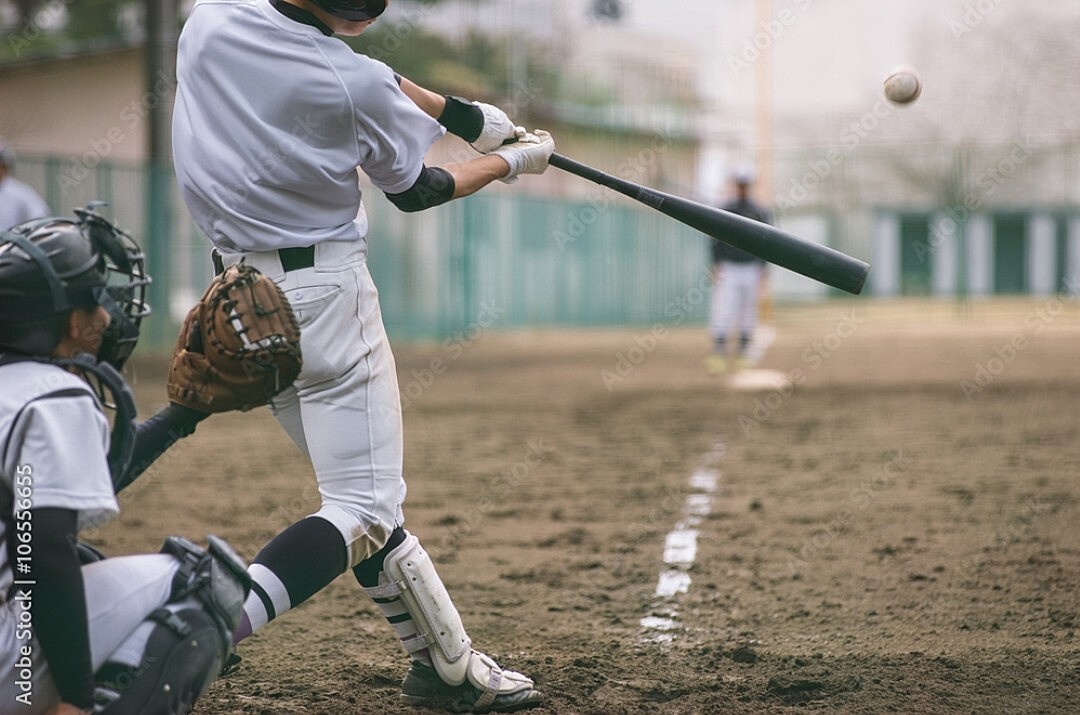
(528, 155)
(497, 129)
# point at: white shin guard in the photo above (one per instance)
(413, 579)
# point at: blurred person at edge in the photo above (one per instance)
(18, 201)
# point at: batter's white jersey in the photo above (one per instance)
(259, 165)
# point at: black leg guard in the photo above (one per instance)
(189, 637)
(182, 658)
(216, 577)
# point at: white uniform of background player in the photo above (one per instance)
(273, 117)
(18, 201)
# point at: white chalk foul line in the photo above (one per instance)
(680, 550)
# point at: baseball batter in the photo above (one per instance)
(273, 117)
(144, 633)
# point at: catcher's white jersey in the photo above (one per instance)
(53, 443)
(258, 164)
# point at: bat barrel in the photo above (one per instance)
(769, 243)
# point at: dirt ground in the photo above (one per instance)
(899, 531)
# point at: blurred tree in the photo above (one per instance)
(46, 27)
(476, 67)
(25, 10)
(98, 20)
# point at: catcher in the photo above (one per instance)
(71, 304)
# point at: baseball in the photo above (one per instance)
(903, 85)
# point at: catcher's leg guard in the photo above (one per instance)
(180, 648)
(463, 673)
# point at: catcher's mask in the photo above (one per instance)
(353, 10)
(51, 266)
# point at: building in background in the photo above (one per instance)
(795, 87)
(972, 190)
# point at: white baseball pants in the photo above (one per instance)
(344, 410)
(734, 305)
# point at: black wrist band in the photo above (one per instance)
(462, 118)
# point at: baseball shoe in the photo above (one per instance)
(231, 665)
(423, 687)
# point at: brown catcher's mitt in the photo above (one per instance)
(239, 345)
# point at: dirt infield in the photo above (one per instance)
(897, 531)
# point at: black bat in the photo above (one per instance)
(821, 263)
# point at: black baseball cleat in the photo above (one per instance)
(231, 665)
(423, 687)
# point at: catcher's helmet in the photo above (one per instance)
(51, 266)
(353, 10)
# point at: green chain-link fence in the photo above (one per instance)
(500, 259)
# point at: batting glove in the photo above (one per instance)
(497, 129)
(528, 155)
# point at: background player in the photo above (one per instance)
(18, 201)
(739, 280)
(273, 116)
(114, 632)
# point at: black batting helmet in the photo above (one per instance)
(50, 266)
(353, 10)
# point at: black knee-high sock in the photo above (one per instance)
(296, 564)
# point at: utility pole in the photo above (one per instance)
(764, 106)
(162, 20)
